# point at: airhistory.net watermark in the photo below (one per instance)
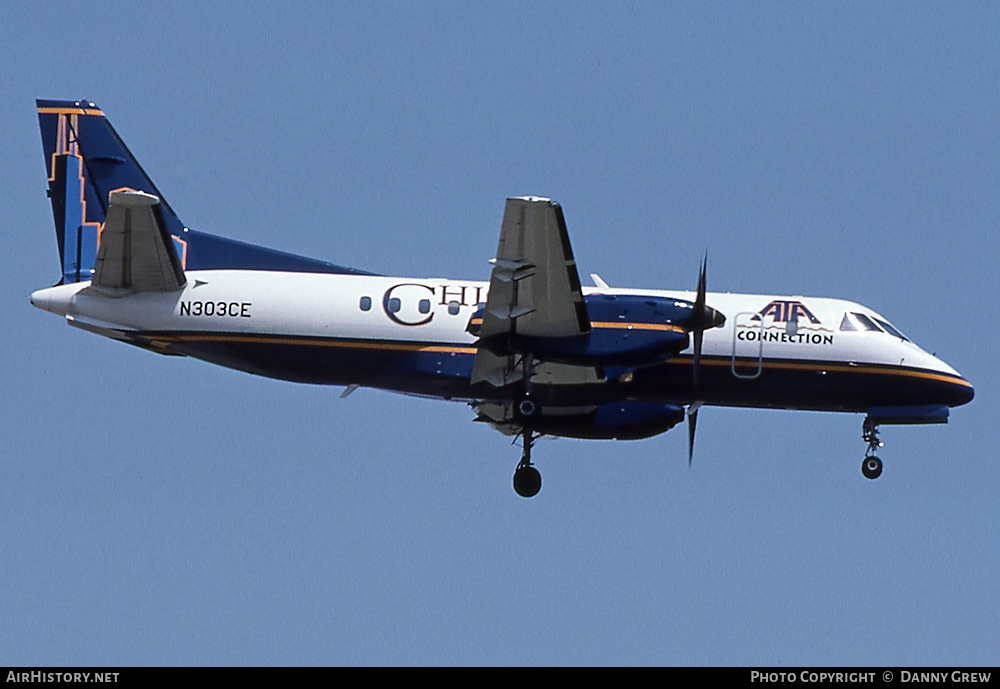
(62, 677)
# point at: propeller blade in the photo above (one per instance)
(696, 359)
(692, 414)
(699, 321)
(692, 422)
(703, 318)
(699, 300)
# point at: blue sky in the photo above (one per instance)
(164, 511)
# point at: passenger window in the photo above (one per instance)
(453, 308)
(424, 306)
(394, 305)
(366, 303)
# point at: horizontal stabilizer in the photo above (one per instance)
(136, 252)
(93, 325)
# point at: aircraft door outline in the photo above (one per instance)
(752, 330)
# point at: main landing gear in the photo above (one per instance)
(871, 467)
(527, 480)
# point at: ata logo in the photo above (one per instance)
(786, 312)
(785, 326)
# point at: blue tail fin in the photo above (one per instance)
(86, 160)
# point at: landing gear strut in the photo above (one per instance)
(871, 467)
(527, 480)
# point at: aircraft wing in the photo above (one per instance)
(136, 252)
(534, 289)
(499, 371)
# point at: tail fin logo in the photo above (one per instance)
(77, 214)
(87, 161)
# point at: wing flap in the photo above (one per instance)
(495, 370)
(500, 371)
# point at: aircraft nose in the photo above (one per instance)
(947, 386)
(962, 393)
(952, 389)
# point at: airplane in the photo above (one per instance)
(532, 351)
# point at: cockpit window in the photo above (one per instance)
(891, 330)
(858, 321)
(865, 321)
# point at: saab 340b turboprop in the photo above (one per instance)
(532, 351)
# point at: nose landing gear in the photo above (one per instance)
(871, 466)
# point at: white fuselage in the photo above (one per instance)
(318, 305)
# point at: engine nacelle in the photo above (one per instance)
(615, 421)
(627, 330)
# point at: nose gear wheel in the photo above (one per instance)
(871, 466)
